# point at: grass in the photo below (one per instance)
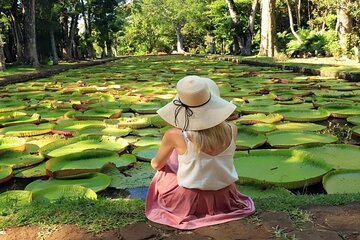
(106, 214)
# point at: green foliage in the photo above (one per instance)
(314, 44)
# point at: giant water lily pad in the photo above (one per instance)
(105, 131)
(286, 139)
(138, 176)
(304, 115)
(6, 173)
(12, 143)
(342, 110)
(78, 144)
(86, 162)
(53, 194)
(338, 156)
(297, 126)
(95, 114)
(15, 197)
(247, 139)
(149, 107)
(95, 181)
(354, 119)
(133, 122)
(17, 159)
(259, 127)
(259, 118)
(255, 191)
(146, 153)
(280, 167)
(70, 126)
(31, 172)
(20, 119)
(342, 181)
(356, 131)
(25, 130)
(145, 141)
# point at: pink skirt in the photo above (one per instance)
(170, 204)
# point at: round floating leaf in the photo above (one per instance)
(338, 156)
(25, 130)
(293, 126)
(5, 173)
(53, 194)
(105, 131)
(31, 172)
(15, 197)
(149, 107)
(356, 131)
(255, 191)
(16, 120)
(342, 110)
(286, 139)
(247, 139)
(279, 167)
(138, 176)
(157, 121)
(354, 120)
(82, 143)
(86, 162)
(95, 114)
(12, 143)
(17, 159)
(146, 132)
(70, 126)
(304, 115)
(259, 118)
(95, 181)
(135, 122)
(342, 181)
(259, 127)
(145, 141)
(146, 153)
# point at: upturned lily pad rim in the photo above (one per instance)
(6, 173)
(344, 188)
(60, 192)
(265, 179)
(95, 181)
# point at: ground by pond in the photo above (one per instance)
(298, 135)
(314, 222)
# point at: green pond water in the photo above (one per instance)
(113, 107)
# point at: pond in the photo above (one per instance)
(97, 127)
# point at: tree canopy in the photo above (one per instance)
(34, 31)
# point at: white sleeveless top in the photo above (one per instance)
(204, 171)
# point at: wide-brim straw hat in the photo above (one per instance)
(197, 105)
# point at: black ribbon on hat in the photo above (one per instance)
(188, 111)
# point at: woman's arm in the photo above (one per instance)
(168, 144)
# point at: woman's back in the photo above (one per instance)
(205, 170)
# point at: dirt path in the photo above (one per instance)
(314, 223)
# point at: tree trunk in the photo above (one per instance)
(345, 25)
(267, 42)
(109, 52)
(53, 48)
(19, 39)
(31, 56)
(292, 23)
(299, 14)
(179, 37)
(2, 55)
(238, 33)
(250, 29)
(210, 42)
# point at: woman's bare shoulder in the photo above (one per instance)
(173, 133)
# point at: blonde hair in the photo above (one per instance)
(211, 138)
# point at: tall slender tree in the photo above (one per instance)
(267, 41)
(31, 56)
